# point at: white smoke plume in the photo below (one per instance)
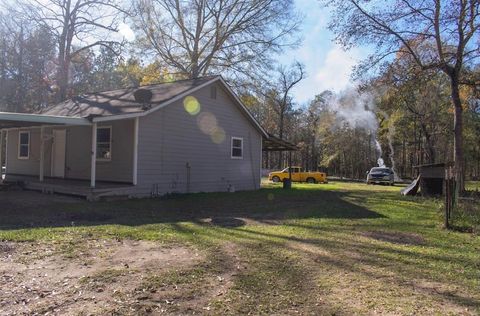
(390, 135)
(359, 110)
(380, 161)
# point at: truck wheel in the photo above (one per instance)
(311, 180)
(275, 179)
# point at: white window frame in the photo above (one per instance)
(20, 144)
(231, 147)
(109, 143)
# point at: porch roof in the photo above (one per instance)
(16, 120)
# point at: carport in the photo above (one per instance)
(273, 143)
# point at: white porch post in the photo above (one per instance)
(1, 154)
(94, 156)
(135, 150)
(42, 153)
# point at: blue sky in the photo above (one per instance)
(326, 64)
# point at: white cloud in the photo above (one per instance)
(326, 69)
(336, 71)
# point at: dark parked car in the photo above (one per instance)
(380, 175)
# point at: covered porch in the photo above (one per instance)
(79, 188)
(68, 155)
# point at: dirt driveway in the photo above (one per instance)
(91, 278)
(83, 274)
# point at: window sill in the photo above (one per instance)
(104, 160)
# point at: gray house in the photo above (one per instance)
(185, 136)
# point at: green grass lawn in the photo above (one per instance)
(337, 248)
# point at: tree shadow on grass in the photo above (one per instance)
(354, 256)
(345, 250)
(264, 206)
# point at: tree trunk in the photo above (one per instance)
(63, 54)
(429, 143)
(280, 133)
(458, 135)
(404, 158)
(20, 93)
(62, 80)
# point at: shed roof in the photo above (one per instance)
(121, 101)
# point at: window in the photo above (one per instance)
(237, 148)
(104, 143)
(23, 145)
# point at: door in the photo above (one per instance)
(296, 174)
(58, 153)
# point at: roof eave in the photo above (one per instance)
(43, 119)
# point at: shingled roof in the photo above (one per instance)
(121, 101)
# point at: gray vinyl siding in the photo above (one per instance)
(170, 139)
(30, 166)
(120, 168)
(78, 151)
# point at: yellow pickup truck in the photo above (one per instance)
(298, 175)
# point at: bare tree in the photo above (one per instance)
(277, 94)
(441, 35)
(24, 49)
(199, 37)
(77, 25)
(288, 77)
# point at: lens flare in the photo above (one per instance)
(218, 135)
(270, 196)
(207, 122)
(191, 105)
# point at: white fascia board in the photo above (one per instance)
(117, 117)
(43, 119)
